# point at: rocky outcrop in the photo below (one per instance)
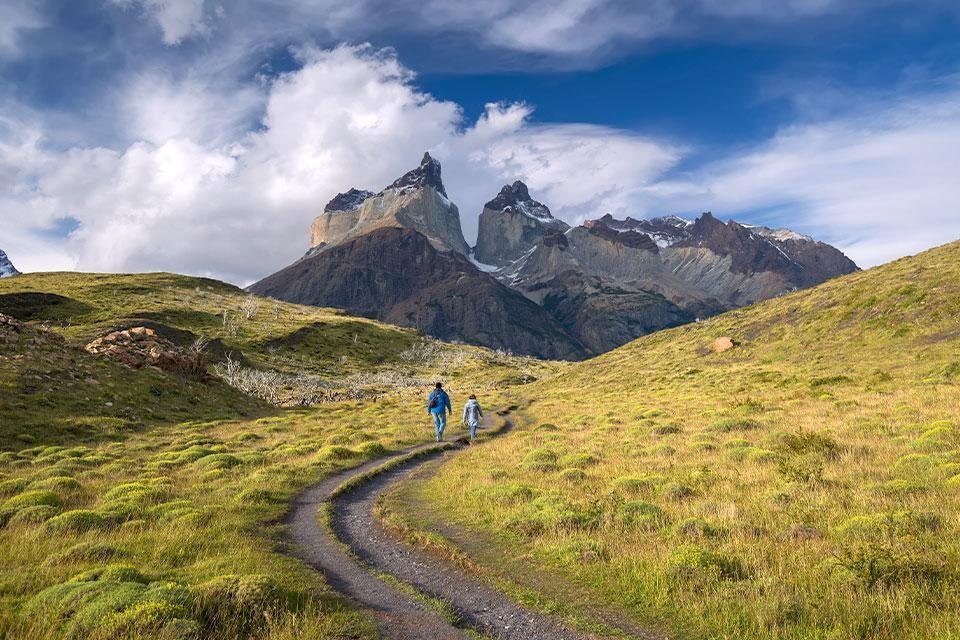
(6, 267)
(511, 224)
(139, 347)
(397, 275)
(417, 200)
(644, 275)
(533, 284)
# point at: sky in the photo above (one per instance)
(203, 136)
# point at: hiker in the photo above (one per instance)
(439, 405)
(472, 413)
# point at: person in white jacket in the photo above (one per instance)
(472, 414)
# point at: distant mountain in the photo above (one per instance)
(399, 256)
(6, 267)
(511, 224)
(533, 284)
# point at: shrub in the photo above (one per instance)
(901, 487)
(83, 552)
(37, 514)
(336, 452)
(59, 484)
(511, 493)
(585, 550)
(637, 514)
(577, 460)
(76, 521)
(883, 563)
(806, 469)
(734, 424)
(240, 605)
(152, 618)
(32, 499)
(372, 449)
(689, 561)
(527, 523)
(540, 460)
(665, 429)
(808, 442)
(217, 461)
(96, 604)
(677, 491)
(696, 528)
(13, 486)
(635, 485)
(573, 475)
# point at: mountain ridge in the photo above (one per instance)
(601, 283)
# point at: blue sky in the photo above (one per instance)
(202, 136)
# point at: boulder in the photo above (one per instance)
(723, 343)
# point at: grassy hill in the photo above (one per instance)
(138, 503)
(803, 484)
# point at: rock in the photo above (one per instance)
(416, 200)
(139, 347)
(511, 224)
(723, 343)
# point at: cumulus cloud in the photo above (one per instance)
(182, 199)
(193, 195)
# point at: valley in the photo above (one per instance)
(797, 480)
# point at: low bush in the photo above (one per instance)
(540, 460)
(77, 521)
(689, 561)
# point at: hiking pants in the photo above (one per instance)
(439, 423)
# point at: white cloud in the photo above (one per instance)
(193, 196)
(880, 182)
(178, 19)
(182, 199)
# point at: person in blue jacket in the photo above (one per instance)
(438, 405)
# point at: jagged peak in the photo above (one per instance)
(348, 200)
(426, 175)
(516, 197)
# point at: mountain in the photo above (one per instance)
(533, 284)
(417, 200)
(6, 267)
(399, 256)
(629, 277)
(511, 224)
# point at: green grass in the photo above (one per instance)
(136, 503)
(801, 485)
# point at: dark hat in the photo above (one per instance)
(439, 385)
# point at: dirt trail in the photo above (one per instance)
(357, 534)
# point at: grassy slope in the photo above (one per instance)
(805, 484)
(178, 486)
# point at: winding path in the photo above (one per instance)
(359, 547)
